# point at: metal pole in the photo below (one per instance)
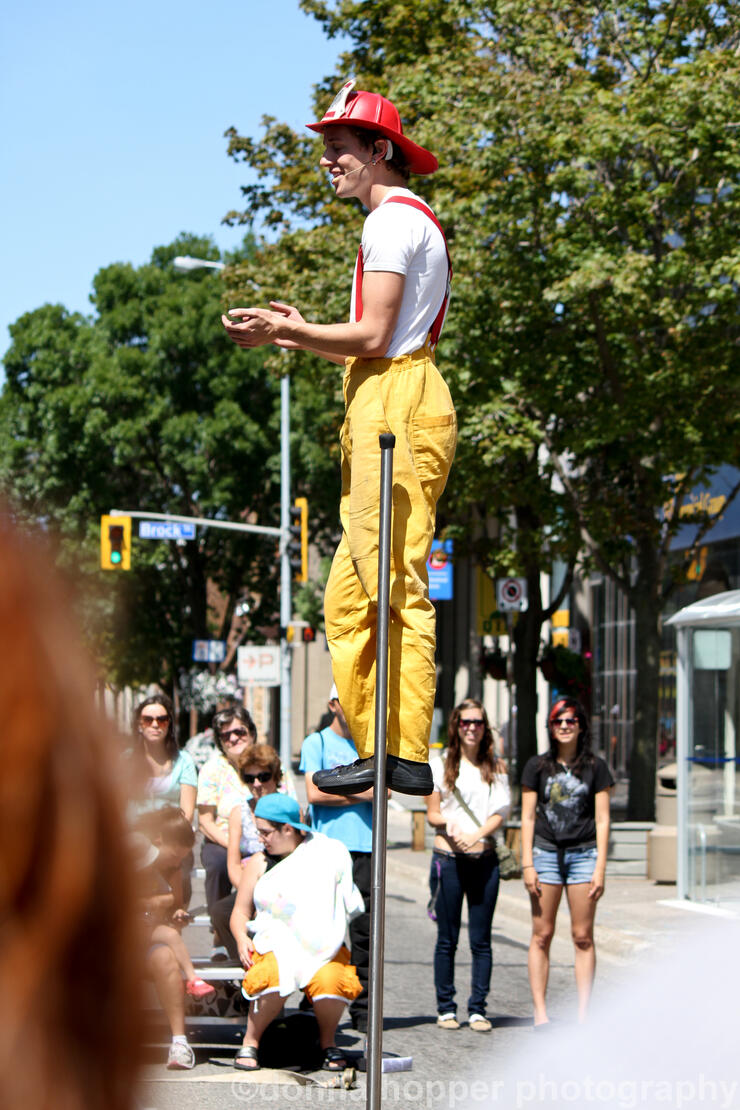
(200, 521)
(374, 1048)
(685, 879)
(286, 576)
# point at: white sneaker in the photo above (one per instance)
(479, 1024)
(448, 1021)
(180, 1057)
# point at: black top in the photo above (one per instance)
(565, 816)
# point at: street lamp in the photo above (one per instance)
(184, 263)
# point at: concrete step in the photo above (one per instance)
(626, 868)
(629, 836)
(621, 851)
(214, 973)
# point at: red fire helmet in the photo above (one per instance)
(374, 112)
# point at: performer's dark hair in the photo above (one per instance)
(397, 160)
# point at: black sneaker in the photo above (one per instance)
(404, 775)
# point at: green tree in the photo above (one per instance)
(146, 406)
(589, 187)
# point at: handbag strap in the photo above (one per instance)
(464, 806)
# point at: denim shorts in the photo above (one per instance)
(579, 864)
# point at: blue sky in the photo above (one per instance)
(112, 122)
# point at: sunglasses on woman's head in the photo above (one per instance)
(147, 720)
(261, 776)
(234, 736)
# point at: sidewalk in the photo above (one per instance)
(633, 916)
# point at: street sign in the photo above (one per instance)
(259, 666)
(165, 530)
(439, 569)
(511, 594)
(209, 651)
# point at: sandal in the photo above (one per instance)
(198, 988)
(246, 1052)
(334, 1059)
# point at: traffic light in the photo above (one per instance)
(298, 543)
(309, 635)
(115, 542)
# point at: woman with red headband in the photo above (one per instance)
(565, 832)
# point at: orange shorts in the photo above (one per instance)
(336, 979)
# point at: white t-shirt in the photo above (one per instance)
(401, 240)
(483, 799)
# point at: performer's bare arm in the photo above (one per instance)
(284, 326)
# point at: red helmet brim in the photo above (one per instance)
(374, 112)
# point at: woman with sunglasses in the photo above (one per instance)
(468, 806)
(219, 790)
(172, 778)
(565, 833)
(259, 769)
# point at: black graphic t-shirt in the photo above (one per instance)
(565, 816)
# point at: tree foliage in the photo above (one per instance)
(146, 406)
(589, 186)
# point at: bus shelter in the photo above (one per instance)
(707, 721)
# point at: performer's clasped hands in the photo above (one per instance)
(258, 327)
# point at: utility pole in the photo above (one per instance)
(286, 574)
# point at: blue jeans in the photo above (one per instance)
(475, 879)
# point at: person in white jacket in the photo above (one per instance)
(290, 918)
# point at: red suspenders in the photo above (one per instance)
(436, 328)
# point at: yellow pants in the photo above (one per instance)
(408, 397)
(336, 979)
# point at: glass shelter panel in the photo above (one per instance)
(713, 794)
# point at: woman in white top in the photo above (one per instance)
(468, 805)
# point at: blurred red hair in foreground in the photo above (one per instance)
(69, 968)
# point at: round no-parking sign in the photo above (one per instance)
(511, 593)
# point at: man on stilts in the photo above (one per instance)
(391, 384)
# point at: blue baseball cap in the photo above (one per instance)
(281, 809)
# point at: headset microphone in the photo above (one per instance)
(370, 162)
